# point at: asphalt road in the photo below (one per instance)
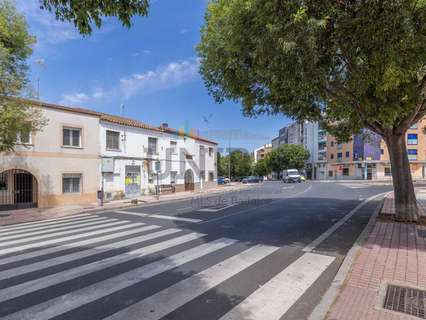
(267, 252)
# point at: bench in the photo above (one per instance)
(165, 188)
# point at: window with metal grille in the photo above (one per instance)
(112, 140)
(210, 152)
(152, 145)
(345, 172)
(71, 183)
(71, 137)
(211, 176)
(173, 147)
(3, 182)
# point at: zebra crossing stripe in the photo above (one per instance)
(28, 235)
(82, 243)
(52, 279)
(273, 299)
(162, 303)
(55, 307)
(87, 227)
(118, 226)
(49, 226)
(43, 222)
(86, 253)
(160, 216)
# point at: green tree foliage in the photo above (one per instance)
(261, 168)
(241, 164)
(287, 156)
(84, 13)
(15, 47)
(350, 64)
(221, 165)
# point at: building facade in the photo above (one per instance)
(366, 156)
(81, 151)
(57, 165)
(135, 149)
(260, 153)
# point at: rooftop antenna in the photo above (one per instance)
(41, 63)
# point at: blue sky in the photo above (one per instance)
(151, 68)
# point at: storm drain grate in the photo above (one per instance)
(406, 300)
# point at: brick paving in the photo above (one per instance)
(35, 214)
(393, 252)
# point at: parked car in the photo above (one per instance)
(221, 180)
(251, 179)
(292, 175)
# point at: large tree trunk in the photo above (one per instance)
(405, 197)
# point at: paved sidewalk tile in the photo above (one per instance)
(393, 252)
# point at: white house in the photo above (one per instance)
(186, 161)
(64, 163)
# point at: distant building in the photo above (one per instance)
(260, 153)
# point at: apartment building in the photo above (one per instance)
(366, 156)
(80, 151)
(55, 166)
(261, 152)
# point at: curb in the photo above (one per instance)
(322, 309)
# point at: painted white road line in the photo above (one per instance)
(83, 243)
(120, 225)
(274, 299)
(55, 307)
(26, 225)
(29, 234)
(86, 253)
(338, 224)
(48, 226)
(56, 278)
(175, 296)
(159, 216)
(218, 209)
(86, 226)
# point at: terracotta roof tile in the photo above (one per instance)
(118, 120)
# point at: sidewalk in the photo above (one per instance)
(34, 214)
(394, 253)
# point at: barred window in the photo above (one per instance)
(71, 183)
(112, 140)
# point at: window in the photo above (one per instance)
(330, 173)
(201, 151)
(173, 177)
(345, 172)
(332, 144)
(71, 137)
(173, 147)
(412, 154)
(347, 154)
(414, 126)
(71, 183)
(332, 156)
(412, 138)
(112, 140)
(188, 156)
(382, 151)
(210, 152)
(388, 172)
(3, 183)
(211, 176)
(339, 155)
(152, 145)
(24, 137)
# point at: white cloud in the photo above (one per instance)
(78, 98)
(163, 77)
(75, 98)
(143, 52)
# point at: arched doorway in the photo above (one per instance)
(18, 190)
(189, 180)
